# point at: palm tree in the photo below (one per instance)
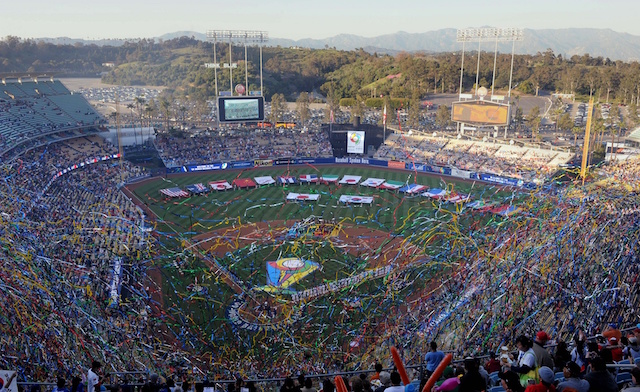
(130, 106)
(149, 111)
(166, 106)
(139, 101)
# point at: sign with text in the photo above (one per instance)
(480, 113)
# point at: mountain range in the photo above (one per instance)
(568, 42)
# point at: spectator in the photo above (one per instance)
(385, 380)
(573, 379)
(542, 355)
(546, 381)
(510, 381)
(378, 368)
(561, 357)
(599, 378)
(632, 351)
(493, 365)
(472, 380)
(635, 378)
(525, 366)
(433, 358)
(308, 385)
(396, 383)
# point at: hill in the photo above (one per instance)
(568, 42)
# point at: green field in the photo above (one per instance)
(199, 214)
(434, 233)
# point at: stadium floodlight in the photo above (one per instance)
(238, 37)
(489, 34)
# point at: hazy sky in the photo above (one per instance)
(302, 18)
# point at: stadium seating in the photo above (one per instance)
(31, 109)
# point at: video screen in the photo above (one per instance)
(240, 109)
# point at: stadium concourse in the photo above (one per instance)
(568, 265)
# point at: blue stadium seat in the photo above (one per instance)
(495, 380)
(623, 378)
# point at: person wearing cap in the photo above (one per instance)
(633, 349)
(543, 357)
(635, 378)
(616, 350)
(546, 381)
(572, 379)
(510, 381)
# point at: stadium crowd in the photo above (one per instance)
(509, 160)
(238, 145)
(572, 274)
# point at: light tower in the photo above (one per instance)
(238, 37)
(479, 110)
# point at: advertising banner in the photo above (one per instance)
(263, 162)
(495, 179)
(396, 165)
(242, 165)
(460, 173)
(355, 142)
(207, 167)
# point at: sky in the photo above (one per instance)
(297, 19)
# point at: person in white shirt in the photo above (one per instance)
(93, 379)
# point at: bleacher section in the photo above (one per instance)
(32, 112)
(503, 159)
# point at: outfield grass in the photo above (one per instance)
(202, 213)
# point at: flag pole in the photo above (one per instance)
(384, 124)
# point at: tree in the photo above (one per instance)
(277, 108)
(564, 122)
(443, 116)
(414, 112)
(139, 101)
(165, 105)
(533, 120)
(302, 108)
(576, 130)
(130, 106)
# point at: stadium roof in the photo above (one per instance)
(634, 135)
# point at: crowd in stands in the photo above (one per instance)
(502, 159)
(60, 250)
(238, 145)
(607, 364)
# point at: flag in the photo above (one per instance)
(384, 116)
(331, 116)
(174, 192)
(309, 178)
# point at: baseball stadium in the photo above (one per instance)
(266, 253)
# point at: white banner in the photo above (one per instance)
(7, 375)
(356, 199)
(355, 142)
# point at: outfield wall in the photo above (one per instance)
(414, 167)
